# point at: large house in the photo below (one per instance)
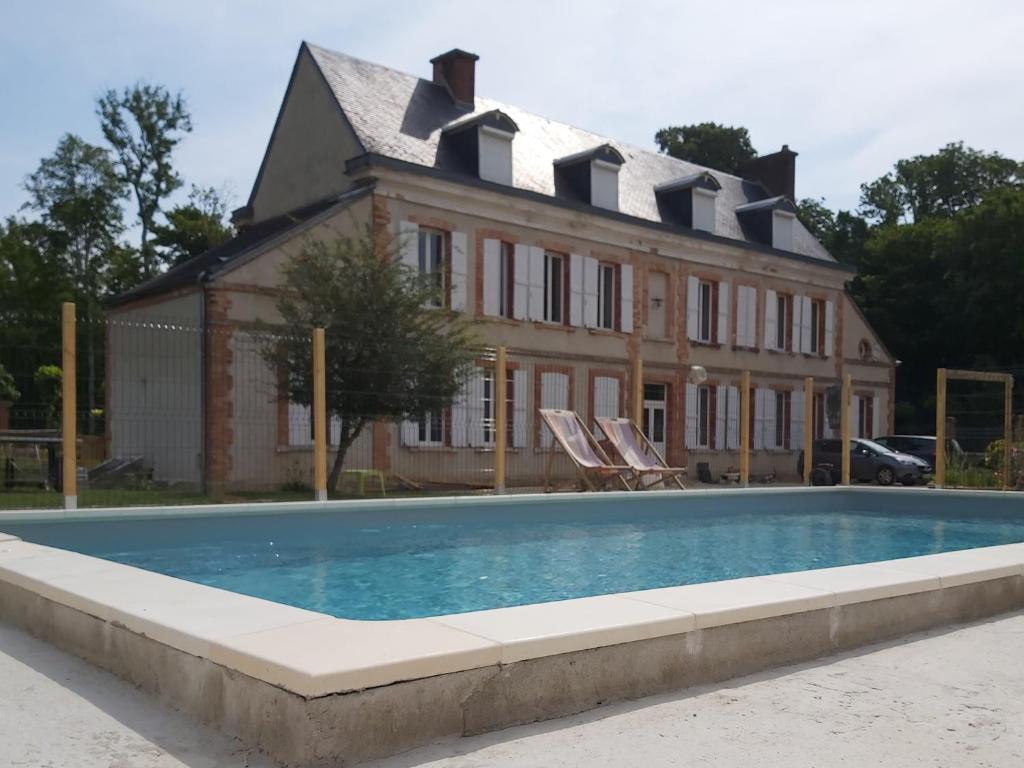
(577, 252)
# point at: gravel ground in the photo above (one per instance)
(953, 697)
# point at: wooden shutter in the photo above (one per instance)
(575, 289)
(741, 317)
(691, 415)
(796, 421)
(751, 316)
(626, 310)
(460, 269)
(492, 277)
(796, 313)
(830, 329)
(521, 291)
(536, 302)
(692, 308)
(461, 411)
(606, 398)
(805, 326)
(519, 410)
(732, 419)
(771, 318)
(770, 421)
(723, 313)
(409, 244)
(590, 269)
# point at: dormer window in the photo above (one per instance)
(591, 177)
(689, 201)
(770, 221)
(482, 145)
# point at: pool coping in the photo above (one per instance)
(313, 654)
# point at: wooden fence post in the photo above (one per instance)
(319, 415)
(69, 407)
(638, 392)
(745, 429)
(940, 428)
(844, 426)
(808, 428)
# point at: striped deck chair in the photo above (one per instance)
(638, 453)
(594, 469)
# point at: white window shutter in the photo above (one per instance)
(721, 406)
(521, 292)
(771, 318)
(770, 422)
(300, 424)
(575, 289)
(536, 311)
(475, 408)
(410, 433)
(691, 416)
(830, 329)
(519, 409)
(460, 413)
(492, 277)
(876, 417)
(590, 266)
(606, 398)
(626, 310)
(760, 406)
(732, 424)
(796, 421)
(460, 269)
(692, 310)
(409, 244)
(723, 313)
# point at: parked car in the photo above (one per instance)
(869, 462)
(922, 446)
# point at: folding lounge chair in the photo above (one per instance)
(593, 466)
(638, 453)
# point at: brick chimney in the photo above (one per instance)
(776, 171)
(456, 71)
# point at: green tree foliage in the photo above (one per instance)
(387, 357)
(143, 124)
(48, 380)
(8, 391)
(194, 227)
(938, 185)
(844, 234)
(720, 147)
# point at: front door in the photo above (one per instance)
(655, 415)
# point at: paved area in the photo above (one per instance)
(56, 711)
(947, 698)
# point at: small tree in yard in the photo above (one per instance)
(388, 357)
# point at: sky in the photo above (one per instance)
(851, 86)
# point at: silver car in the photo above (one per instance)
(869, 462)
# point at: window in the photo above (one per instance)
(784, 327)
(432, 262)
(865, 417)
(507, 280)
(554, 393)
(431, 428)
(489, 403)
(819, 415)
(705, 312)
(554, 288)
(703, 417)
(817, 322)
(782, 413)
(606, 296)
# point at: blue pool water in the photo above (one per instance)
(401, 564)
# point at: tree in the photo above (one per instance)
(388, 358)
(193, 228)
(78, 194)
(938, 185)
(144, 123)
(721, 147)
(8, 391)
(843, 234)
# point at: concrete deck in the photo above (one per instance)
(946, 697)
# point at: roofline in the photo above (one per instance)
(590, 154)
(370, 159)
(860, 314)
(303, 48)
(701, 180)
(777, 203)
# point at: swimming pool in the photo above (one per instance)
(394, 562)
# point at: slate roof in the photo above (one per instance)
(401, 116)
(207, 265)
